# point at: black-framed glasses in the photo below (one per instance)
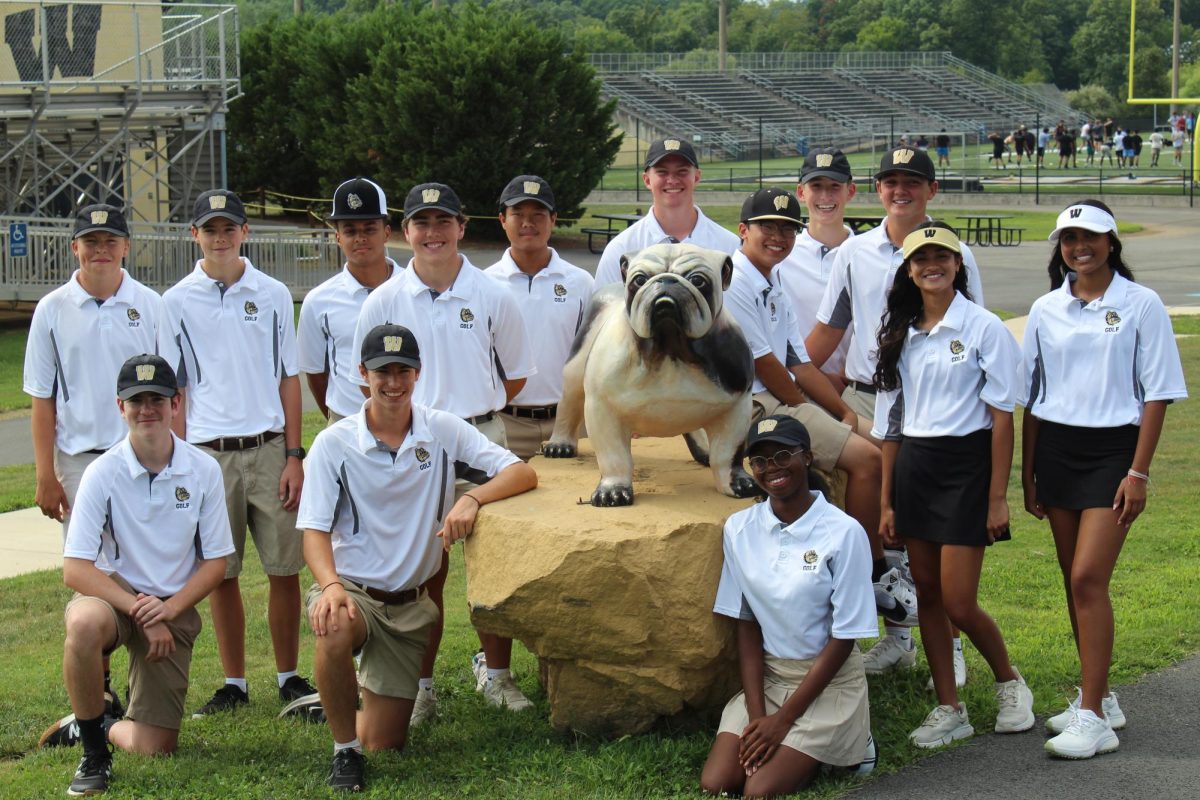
(781, 459)
(786, 230)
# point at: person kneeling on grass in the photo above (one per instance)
(797, 578)
(148, 539)
(378, 496)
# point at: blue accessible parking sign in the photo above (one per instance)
(18, 239)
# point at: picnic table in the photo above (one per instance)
(609, 232)
(989, 230)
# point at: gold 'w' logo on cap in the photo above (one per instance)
(182, 494)
(145, 372)
(392, 344)
(930, 233)
(824, 160)
(671, 144)
(216, 202)
(767, 425)
(1075, 212)
(99, 217)
(781, 202)
(902, 156)
(532, 187)
(430, 195)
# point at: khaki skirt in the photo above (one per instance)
(833, 730)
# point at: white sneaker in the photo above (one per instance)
(1015, 701)
(479, 667)
(896, 599)
(888, 654)
(1086, 735)
(503, 693)
(943, 725)
(870, 759)
(1112, 712)
(424, 707)
(960, 671)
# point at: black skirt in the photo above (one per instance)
(940, 488)
(1078, 468)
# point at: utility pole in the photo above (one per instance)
(1175, 60)
(297, 7)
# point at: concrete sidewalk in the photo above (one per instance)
(29, 541)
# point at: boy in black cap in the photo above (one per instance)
(167, 500)
(235, 329)
(325, 332)
(671, 174)
(476, 355)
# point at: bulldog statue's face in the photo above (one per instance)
(675, 285)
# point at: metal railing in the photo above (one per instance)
(160, 255)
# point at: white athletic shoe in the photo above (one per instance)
(1086, 735)
(424, 707)
(870, 759)
(888, 654)
(960, 671)
(1015, 701)
(896, 599)
(942, 726)
(479, 668)
(1112, 712)
(504, 693)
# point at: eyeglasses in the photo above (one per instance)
(785, 229)
(781, 459)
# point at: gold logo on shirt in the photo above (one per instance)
(1112, 318)
(216, 202)
(181, 494)
(392, 344)
(532, 187)
(824, 160)
(560, 290)
(422, 454)
(781, 202)
(250, 307)
(99, 217)
(133, 314)
(902, 156)
(670, 144)
(145, 372)
(956, 346)
(466, 316)
(811, 557)
(430, 195)
(767, 425)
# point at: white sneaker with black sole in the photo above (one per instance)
(896, 599)
(1086, 735)
(1112, 712)
(942, 726)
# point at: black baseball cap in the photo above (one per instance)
(437, 196)
(826, 162)
(390, 344)
(146, 373)
(100, 217)
(218, 203)
(907, 159)
(359, 198)
(527, 187)
(780, 429)
(771, 203)
(661, 148)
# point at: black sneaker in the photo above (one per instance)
(294, 688)
(347, 774)
(227, 698)
(92, 775)
(307, 708)
(63, 733)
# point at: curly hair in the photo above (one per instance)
(1058, 268)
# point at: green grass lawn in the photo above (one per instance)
(474, 751)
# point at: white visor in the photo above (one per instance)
(1089, 218)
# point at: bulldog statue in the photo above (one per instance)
(659, 356)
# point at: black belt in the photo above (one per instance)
(391, 598)
(865, 388)
(94, 452)
(532, 412)
(240, 442)
(482, 418)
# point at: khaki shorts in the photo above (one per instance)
(833, 730)
(828, 435)
(69, 471)
(494, 430)
(157, 689)
(525, 436)
(861, 403)
(397, 635)
(252, 497)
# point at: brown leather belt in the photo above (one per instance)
(391, 598)
(865, 388)
(532, 412)
(240, 442)
(482, 418)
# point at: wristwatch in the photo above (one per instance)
(298, 452)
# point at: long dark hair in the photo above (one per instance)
(904, 308)
(1058, 268)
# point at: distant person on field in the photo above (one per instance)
(942, 143)
(1156, 146)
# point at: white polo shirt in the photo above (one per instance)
(950, 375)
(764, 314)
(325, 336)
(552, 302)
(804, 583)
(1096, 364)
(384, 510)
(152, 530)
(237, 346)
(646, 231)
(803, 276)
(856, 295)
(471, 337)
(76, 348)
